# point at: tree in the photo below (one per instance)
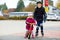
(50, 2)
(5, 6)
(33, 0)
(58, 4)
(0, 7)
(29, 8)
(20, 6)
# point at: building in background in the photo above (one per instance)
(11, 14)
(54, 2)
(11, 9)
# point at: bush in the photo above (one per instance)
(2, 18)
(14, 18)
(23, 17)
(18, 18)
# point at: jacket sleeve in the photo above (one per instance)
(45, 15)
(34, 14)
(26, 21)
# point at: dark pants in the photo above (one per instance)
(39, 26)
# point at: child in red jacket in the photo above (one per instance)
(29, 25)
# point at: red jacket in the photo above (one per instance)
(29, 20)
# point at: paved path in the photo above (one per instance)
(15, 30)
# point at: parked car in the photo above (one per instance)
(51, 16)
(1, 14)
(58, 16)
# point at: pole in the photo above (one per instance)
(42, 2)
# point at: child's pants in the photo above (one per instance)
(32, 34)
(39, 24)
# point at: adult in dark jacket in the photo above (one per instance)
(39, 16)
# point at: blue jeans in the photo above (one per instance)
(39, 22)
(39, 26)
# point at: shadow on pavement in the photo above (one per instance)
(11, 37)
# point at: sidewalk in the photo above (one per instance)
(20, 36)
(15, 30)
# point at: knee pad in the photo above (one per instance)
(37, 28)
(41, 24)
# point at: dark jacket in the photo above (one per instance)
(39, 14)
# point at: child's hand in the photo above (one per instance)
(31, 24)
(34, 23)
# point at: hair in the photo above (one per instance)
(39, 2)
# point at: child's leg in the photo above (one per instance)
(37, 29)
(32, 34)
(26, 35)
(41, 25)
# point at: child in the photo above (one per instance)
(40, 16)
(29, 24)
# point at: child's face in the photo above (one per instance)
(30, 16)
(39, 5)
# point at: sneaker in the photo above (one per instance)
(42, 34)
(28, 36)
(25, 37)
(33, 36)
(36, 34)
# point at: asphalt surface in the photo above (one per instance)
(15, 30)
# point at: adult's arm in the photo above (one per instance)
(34, 14)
